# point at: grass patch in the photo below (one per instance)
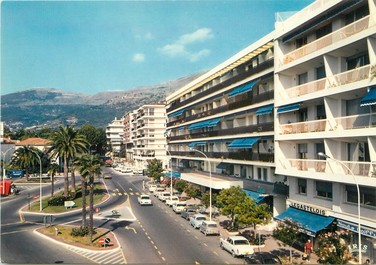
(65, 237)
(99, 194)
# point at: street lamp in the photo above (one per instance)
(358, 191)
(210, 182)
(40, 178)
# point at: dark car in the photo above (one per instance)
(262, 258)
(187, 213)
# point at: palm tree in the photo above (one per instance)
(25, 158)
(66, 143)
(52, 170)
(89, 166)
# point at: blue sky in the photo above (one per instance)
(96, 46)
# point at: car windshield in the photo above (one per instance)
(145, 196)
(200, 218)
(241, 242)
(212, 225)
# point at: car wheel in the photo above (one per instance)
(233, 254)
(221, 245)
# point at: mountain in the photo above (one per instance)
(49, 107)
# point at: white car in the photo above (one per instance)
(196, 220)
(172, 200)
(163, 196)
(144, 199)
(236, 245)
(152, 187)
(179, 207)
(209, 228)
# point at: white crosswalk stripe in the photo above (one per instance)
(101, 257)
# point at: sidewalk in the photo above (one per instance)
(273, 245)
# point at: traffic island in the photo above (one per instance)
(103, 239)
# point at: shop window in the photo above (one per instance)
(324, 189)
(302, 186)
(367, 195)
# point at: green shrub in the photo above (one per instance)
(57, 201)
(80, 231)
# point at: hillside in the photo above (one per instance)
(48, 107)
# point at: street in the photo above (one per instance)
(147, 234)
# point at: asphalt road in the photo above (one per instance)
(147, 234)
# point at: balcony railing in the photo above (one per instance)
(344, 123)
(336, 36)
(264, 127)
(365, 169)
(248, 156)
(240, 76)
(344, 78)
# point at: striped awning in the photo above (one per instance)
(370, 98)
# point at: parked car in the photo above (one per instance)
(188, 212)
(152, 187)
(196, 220)
(107, 175)
(163, 196)
(237, 245)
(172, 200)
(144, 199)
(209, 228)
(179, 207)
(262, 258)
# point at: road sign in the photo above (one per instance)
(107, 240)
(35, 196)
(102, 241)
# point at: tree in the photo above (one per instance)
(96, 137)
(333, 247)
(52, 170)
(26, 158)
(155, 169)
(180, 185)
(89, 166)
(67, 143)
(241, 208)
(192, 191)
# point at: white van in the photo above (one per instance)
(179, 206)
(209, 228)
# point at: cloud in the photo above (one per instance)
(146, 36)
(138, 57)
(179, 48)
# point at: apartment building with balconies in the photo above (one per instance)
(227, 115)
(128, 134)
(325, 97)
(148, 134)
(114, 136)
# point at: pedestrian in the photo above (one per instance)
(308, 249)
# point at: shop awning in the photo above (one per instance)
(370, 98)
(288, 108)
(203, 124)
(193, 144)
(265, 110)
(310, 222)
(181, 128)
(243, 143)
(176, 113)
(256, 196)
(242, 89)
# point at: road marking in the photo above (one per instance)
(196, 237)
(160, 254)
(205, 245)
(22, 218)
(196, 262)
(155, 247)
(131, 193)
(126, 194)
(130, 189)
(120, 193)
(163, 259)
(131, 228)
(215, 253)
(227, 262)
(151, 241)
(13, 232)
(114, 194)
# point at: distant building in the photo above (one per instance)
(114, 136)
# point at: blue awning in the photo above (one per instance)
(265, 110)
(174, 174)
(242, 89)
(310, 222)
(181, 128)
(176, 113)
(243, 143)
(288, 108)
(203, 124)
(193, 144)
(256, 196)
(370, 98)
(222, 165)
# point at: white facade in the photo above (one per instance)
(324, 61)
(148, 134)
(114, 135)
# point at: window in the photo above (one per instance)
(320, 72)
(301, 41)
(303, 115)
(367, 195)
(357, 14)
(357, 61)
(321, 32)
(302, 78)
(302, 186)
(262, 174)
(320, 112)
(324, 189)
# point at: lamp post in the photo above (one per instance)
(358, 191)
(40, 178)
(210, 182)
(3, 175)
